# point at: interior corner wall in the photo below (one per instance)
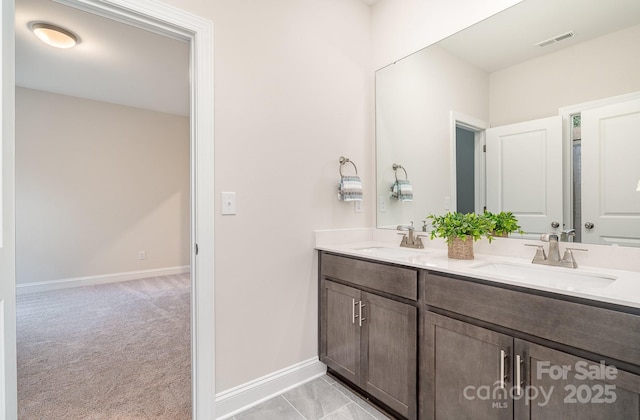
(414, 98)
(95, 184)
(537, 88)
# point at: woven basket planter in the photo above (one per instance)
(461, 250)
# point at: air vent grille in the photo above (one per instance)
(555, 39)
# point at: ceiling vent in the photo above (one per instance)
(555, 39)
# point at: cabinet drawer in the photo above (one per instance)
(397, 281)
(602, 331)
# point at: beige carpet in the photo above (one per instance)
(114, 351)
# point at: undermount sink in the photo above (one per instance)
(390, 252)
(555, 277)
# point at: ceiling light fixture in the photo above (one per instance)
(54, 35)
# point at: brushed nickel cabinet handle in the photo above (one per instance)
(589, 225)
(503, 357)
(360, 318)
(518, 379)
(353, 311)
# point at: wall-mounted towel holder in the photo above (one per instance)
(350, 188)
(344, 161)
(401, 189)
(395, 170)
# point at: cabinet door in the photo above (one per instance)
(339, 329)
(557, 385)
(467, 373)
(389, 367)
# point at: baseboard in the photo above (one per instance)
(240, 398)
(44, 286)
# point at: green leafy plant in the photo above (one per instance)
(460, 225)
(503, 223)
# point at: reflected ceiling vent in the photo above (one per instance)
(555, 39)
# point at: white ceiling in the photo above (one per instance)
(113, 62)
(118, 63)
(510, 37)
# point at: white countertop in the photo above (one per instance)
(624, 290)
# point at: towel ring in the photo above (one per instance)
(395, 170)
(343, 161)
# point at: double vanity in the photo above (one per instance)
(427, 337)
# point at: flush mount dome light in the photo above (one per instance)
(54, 35)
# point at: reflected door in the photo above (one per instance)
(610, 174)
(524, 173)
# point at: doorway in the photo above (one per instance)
(468, 169)
(465, 170)
(198, 32)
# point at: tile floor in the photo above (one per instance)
(321, 399)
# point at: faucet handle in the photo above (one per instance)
(418, 241)
(568, 256)
(540, 254)
(568, 252)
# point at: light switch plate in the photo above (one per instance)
(228, 203)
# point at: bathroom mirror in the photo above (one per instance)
(538, 62)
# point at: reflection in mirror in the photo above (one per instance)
(528, 73)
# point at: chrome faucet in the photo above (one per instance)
(409, 240)
(553, 257)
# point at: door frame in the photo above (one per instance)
(458, 119)
(567, 162)
(176, 23)
(8, 388)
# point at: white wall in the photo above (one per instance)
(600, 68)
(293, 93)
(95, 184)
(414, 99)
(402, 27)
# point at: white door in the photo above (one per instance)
(524, 173)
(610, 174)
(8, 390)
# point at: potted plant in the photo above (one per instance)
(503, 223)
(460, 231)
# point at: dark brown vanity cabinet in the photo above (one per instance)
(368, 328)
(474, 368)
(439, 347)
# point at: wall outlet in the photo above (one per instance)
(357, 206)
(142, 255)
(382, 204)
